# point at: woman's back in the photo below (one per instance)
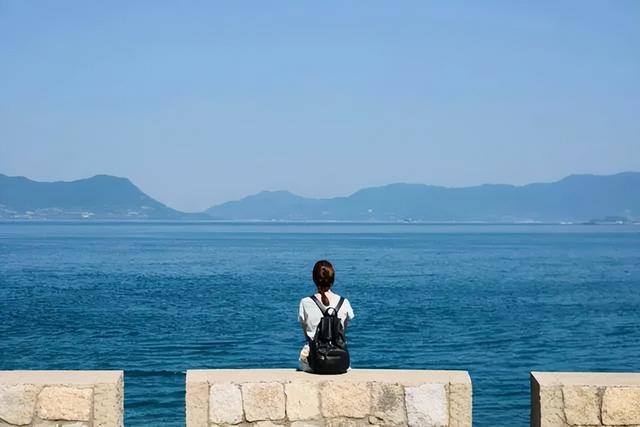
(309, 314)
(325, 349)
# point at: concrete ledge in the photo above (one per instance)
(61, 398)
(268, 397)
(585, 399)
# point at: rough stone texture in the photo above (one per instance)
(263, 401)
(387, 404)
(17, 403)
(427, 405)
(43, 423)
(225, 404)
(460, 405)
(278, 397)
(303, 400)
(61, 398)
(108, 409)
(347, 422)
(345, 399)
(551, 407)
(65, 403)
(197, 404)
(581, 405)
(621, 406)
(560, 399)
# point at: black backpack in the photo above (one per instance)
(328, 352)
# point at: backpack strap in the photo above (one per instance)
(324, 309)
(318, 303)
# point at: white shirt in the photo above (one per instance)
(309, 314)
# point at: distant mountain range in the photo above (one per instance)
(577, 198)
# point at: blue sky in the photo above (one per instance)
(203, 102)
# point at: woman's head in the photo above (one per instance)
(323, 276)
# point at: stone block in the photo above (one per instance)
(108, 400)
(65, 403)
(427, 405)
(225, 404)
(387, 404)
(307, 423)
(460, 405)
(303, 400)
(266, 424)
(197, 404)
(263, 401)
(551, 407)
(345, 399)
(621, 406)
(17, 403)
(581, 405)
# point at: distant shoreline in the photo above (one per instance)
(575, 199)
(310, 222)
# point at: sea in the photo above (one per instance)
(158, 298)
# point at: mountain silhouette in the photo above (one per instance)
(577, 198)
(98, 197)
(574, 198)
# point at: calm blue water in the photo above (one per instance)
(156, 299)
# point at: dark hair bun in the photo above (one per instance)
(323, 276)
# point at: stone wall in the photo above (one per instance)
(585, 399)
(270, 397)
(61, 398)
